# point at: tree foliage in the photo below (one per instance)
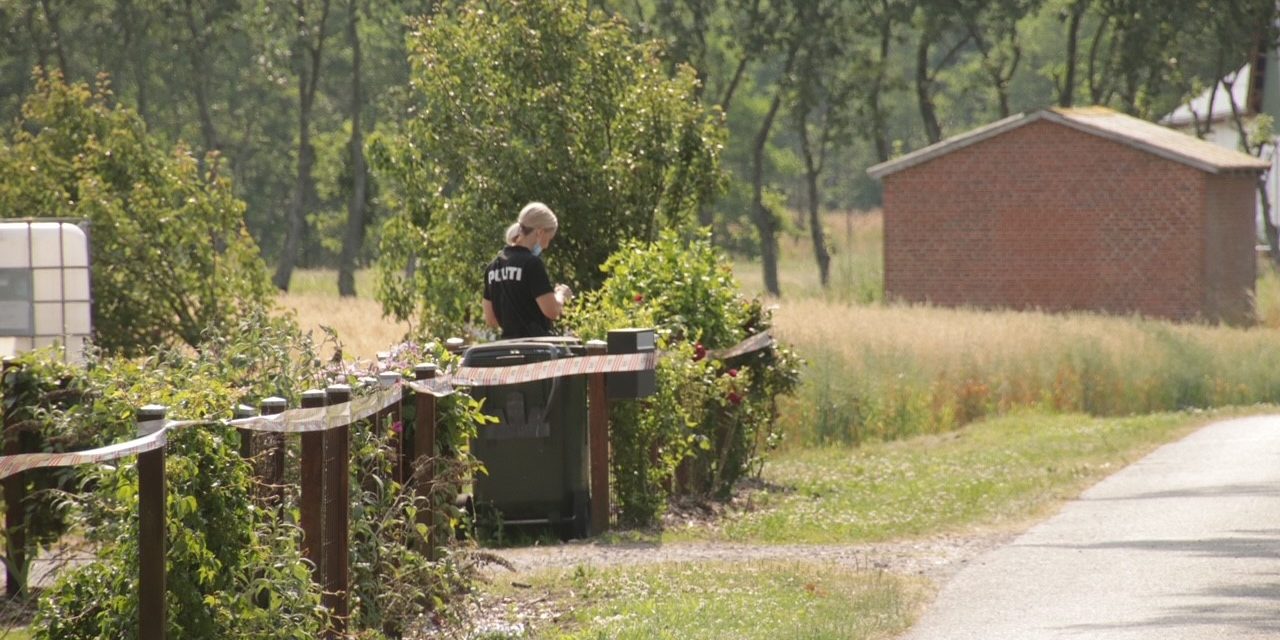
(228, 76)
(171, 257)
(234, 565)
(538, 100)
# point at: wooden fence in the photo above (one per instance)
(323, 423)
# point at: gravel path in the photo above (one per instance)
(936, 558)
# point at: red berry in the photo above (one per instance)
(699, 352)
(732, 373)
(639, 298)
(734, 398)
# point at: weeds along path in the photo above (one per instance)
(936, 558)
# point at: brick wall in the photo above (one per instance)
(1045, 216)
(1230, 269)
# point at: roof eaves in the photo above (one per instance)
(1137, 143)
(932, 151)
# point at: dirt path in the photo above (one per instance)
(936, 558)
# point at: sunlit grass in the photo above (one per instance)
(883, 372)
(999, 473)
(358, 321)
(747, 600)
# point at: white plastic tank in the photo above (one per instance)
(44, 287)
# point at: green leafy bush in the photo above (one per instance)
(234, 567)
(394, 580)
(533, 100)
(171, 257)
(703, 429)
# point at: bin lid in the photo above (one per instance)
(517, 351)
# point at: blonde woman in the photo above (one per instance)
(518, 296)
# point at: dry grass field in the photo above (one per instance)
(882, 371)
(358, 322)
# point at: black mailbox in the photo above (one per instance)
(631, 384)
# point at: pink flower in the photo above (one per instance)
(396, 428)
(732, 373)
(699, 352)
(734, 398)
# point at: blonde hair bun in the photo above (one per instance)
(536, 215)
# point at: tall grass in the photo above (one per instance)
(880, 372)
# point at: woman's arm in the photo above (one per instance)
(490, 318)
(552, 304)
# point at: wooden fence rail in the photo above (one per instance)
(324, 473)
(324, 423)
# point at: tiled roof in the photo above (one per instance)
(1101, 122)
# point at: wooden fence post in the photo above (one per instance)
(152, 615)
(598, 441)
(424, 451)
(241, 412)
(15, 489)
(337, 556)
(312, 500)
(395, 415)
(274, 478)
(455, 346)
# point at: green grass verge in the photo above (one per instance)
(324, 282)
(1001, 471)
(718, 600)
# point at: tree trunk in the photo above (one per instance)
(816, 232)
(765, 223)
(924, 84)
(197, 49)
(304, 187)
(1097, 88)
(1268, 226)
(140, 59)
(299, 204)
(727, 99)
(353, 239)
(37, 42)
(879, 127)
(1066, 92)
(55, 30)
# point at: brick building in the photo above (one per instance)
(1073, 209)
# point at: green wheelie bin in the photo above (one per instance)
(536, 455)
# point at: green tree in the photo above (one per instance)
(538, 100)
(172, 259)
(308, 29)
(993, 29)
(823, 100)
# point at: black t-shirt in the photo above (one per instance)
(513, 282)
